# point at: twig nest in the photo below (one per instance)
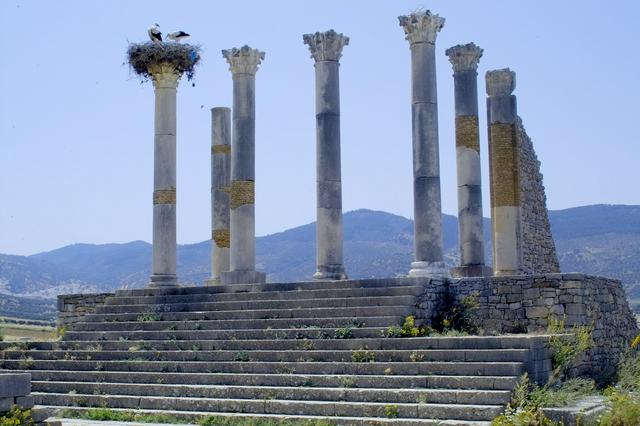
(145, 57)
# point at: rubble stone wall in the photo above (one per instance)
(73, 307)
(538, 248)
(524, 304)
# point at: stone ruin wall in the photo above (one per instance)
(538, 248)
(524, 304)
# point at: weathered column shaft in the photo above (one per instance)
(243, 241)
(421, 31)
(464, 59)
(504, 165)
(242, 260)
(163, 268)
(326, 50)
(220, 182)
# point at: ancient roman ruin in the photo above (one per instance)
(332, 347)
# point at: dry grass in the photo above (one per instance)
(20, 332)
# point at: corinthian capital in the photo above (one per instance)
(421, 27)
(500, 82)
(326, 46)
(244, 60)
(464, 57)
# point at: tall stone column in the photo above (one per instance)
(220, 181)
(421, 30)
(464, 59)
(242, 260)
(326, 50)
(503, 158)
(163, 267)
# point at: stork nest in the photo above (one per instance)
(183, 57)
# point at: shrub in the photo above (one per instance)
(242, 357)
(344, 333)
(408, 329)
(391, 411)
(623, 410)
(17, 417)
(148, 317)
(363, 355)
(567, 345)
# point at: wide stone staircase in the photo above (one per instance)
(302, 350)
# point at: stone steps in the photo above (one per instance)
(313, 350)
(340, 420)
(330, 312)
(262, 367)
(248, 334)
(421, 355)
(471, 412)
(266, 324)
(268, 295)
(426, 343)
(434, 396)
(272, 305)
(273, 287)
(285, 379)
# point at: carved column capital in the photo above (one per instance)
(500, 82)
(464, 57)
(164, 76)
(244, 60)
(326, 46)
(421, 27)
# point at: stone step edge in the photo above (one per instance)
(292, 401)
(347, 320)
(343, 421)
(301, 285)
(155, 374)
(246, 296)
(102, 317)
(261, 301)
(269, 387)
(319, 329)
(310, 351)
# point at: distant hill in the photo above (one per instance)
(599, 239)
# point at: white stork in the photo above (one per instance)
(178, 36)
(154, 33)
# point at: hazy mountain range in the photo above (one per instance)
(598, 239)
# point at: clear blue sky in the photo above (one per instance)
(76, 128)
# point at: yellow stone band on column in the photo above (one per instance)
(504, 166)
(222, 238)
(467, 132)
(242, 192)
(164, 196)
(221, 149)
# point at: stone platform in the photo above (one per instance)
(309, 350)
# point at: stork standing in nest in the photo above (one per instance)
(154, 33)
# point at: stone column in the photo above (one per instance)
(464, 59)
(503, 160)
(242, 260)
(163, 267)
(220, 181)
(421, 30)
(326, 50)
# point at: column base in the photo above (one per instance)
(471, 271)
(330, 272)
(163, 280)
(429, 269)
(243, 277)
(212, 282)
